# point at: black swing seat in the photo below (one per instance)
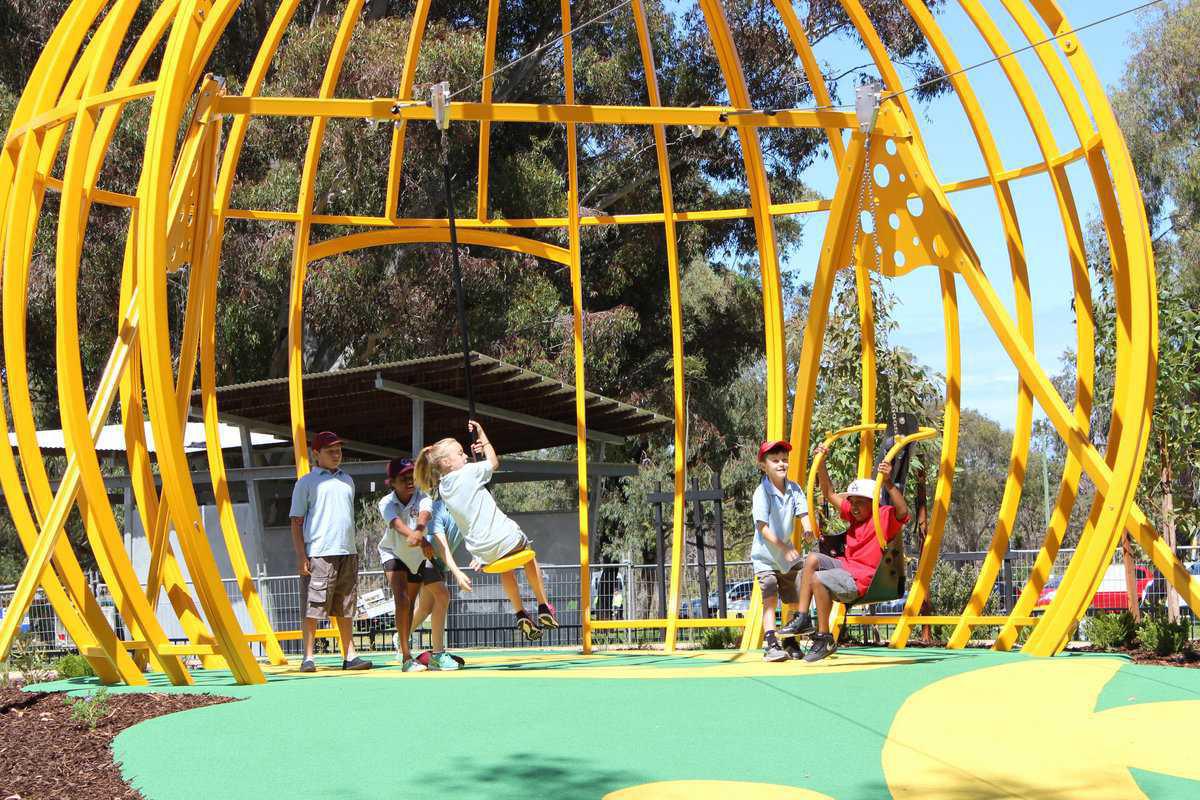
(889, 581)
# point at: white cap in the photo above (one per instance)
(862, 487)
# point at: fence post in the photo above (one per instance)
(661, 548)
(719, 530)
(698, 522)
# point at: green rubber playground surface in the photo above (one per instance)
(864, 723)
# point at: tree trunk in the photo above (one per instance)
(1130, 576)
(1168, 523)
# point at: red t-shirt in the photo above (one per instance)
(862, 548)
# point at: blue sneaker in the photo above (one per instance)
(443, 662)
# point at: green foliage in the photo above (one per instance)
(26, 655)
(1110, 631)
(950, 587)
(1158, 634)
(73, 666)
(719, 638)
(89, 710)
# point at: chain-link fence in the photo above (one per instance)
(483, 617)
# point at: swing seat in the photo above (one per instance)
(510, 562)
(889, 580)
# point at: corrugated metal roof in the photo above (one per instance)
(112, 438)
(349, 402)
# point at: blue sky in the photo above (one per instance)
(989, 380)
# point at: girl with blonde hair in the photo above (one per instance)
(443, 469)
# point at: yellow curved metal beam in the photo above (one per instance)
(900, 444)
(760, 202)
(501, 241)
(1023, 418)
(408, 76)
(810, 486)
(300, 244)
(679, 456)
(1085, 337)
(165, 117)
(1133, 398)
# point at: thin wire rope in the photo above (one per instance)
(552, 43)
(1027, 47)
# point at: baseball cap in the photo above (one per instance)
(774, 444)
(862, 487)
(398, 466)
(325, 439)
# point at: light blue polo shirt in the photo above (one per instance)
(779, 510)
(443, 523)
(326, 502)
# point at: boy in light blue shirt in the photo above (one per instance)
(322, 516)
(777, 564)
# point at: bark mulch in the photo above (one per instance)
(46, 754)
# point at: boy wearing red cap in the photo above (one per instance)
(847, 578)
(776, 505)
(322, 516)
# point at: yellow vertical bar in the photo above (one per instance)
(485, 127)
(585, 588)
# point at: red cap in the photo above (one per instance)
(774, 444)
(325, 439)
(397, 467)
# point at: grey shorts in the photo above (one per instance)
(834, 577)
(331, 590)
(780, 584)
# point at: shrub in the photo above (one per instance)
(1163, 637)
(719, 638)
(73, 666)
(91, 709)
(1110, 631)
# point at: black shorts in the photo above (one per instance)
(426, 573)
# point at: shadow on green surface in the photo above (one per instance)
(520, 775)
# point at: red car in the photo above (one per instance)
(1111, 595)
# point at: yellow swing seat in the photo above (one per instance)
(510, 562)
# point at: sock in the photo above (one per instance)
(771, 639)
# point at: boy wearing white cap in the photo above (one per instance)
(847, 578)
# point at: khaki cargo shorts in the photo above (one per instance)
(785, 585)
(331, 590)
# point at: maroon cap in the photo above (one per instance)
(774, 444)
(397, 467)
(325, 439)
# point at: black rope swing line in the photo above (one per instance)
(440, 100)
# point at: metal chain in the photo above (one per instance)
(866, 200)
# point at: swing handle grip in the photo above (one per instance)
(900, 444)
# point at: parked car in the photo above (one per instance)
(737, 600)
(1111, 596)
